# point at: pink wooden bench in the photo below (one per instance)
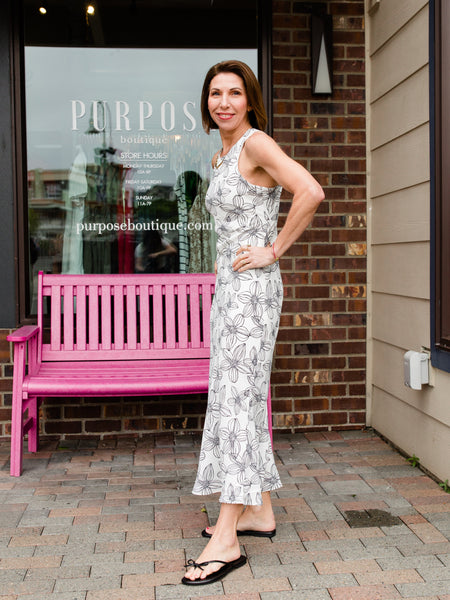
(110, 335)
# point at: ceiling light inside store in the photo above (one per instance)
(90, 9)
(43, 9)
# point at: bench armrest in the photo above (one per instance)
(23, 334)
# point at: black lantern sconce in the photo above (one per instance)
(321, 54)
(321, 46)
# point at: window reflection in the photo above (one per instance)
(118, 163)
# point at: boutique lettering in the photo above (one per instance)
(122, 114)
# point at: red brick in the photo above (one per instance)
(329, 277)
(355, 80)
(104, 425)
(334, 362)
(330, 418)
(311, 404)
(61, 427)
(348, 403)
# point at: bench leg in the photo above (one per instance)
(16, 436)
(269, 414)
(17, 428)
(33, 432)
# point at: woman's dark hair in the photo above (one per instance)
(257, 114)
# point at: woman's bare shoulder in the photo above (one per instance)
(261, 147)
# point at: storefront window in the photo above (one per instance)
(118, 162)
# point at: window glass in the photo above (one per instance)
(118, 162)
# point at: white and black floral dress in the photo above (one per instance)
(236, 455)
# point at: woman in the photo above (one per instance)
(248, 173)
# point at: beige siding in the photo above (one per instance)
(402, 55)
(401, 163)
(413, 204)
(401, 269)
(401, 321)
(386, 23)
(399, 225)
(401, 110)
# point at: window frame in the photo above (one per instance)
(440, 187)
(21, 234)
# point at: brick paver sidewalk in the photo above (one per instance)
(116, 520)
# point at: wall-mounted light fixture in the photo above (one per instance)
(321, 54)
(321, 45)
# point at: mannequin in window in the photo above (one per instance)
(72, 254)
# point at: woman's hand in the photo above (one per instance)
(253, 257)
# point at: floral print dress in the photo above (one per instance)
(236, 455)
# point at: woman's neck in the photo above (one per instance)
(229, 139)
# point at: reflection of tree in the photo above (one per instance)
(33, 222)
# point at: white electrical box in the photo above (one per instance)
(415, 368)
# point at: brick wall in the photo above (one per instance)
(319, 372)
(318, 380)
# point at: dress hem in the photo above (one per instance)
(272, 489)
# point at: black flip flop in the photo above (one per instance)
(227, 567)
(252, 532)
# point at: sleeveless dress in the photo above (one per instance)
(236, 455)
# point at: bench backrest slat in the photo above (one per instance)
(93, 317)
(158, 319)
(106, 318)
(55, 334)
(109, 317)
(68, 301)
(131, 317)
(80, 318)
(182, 310)
(170, 316)
(119, 338)
(144, 317)
(195, 321)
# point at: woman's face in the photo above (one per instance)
(227, 102)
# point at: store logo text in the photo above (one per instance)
(120, 115)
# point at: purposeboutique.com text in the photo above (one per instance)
(129, 225)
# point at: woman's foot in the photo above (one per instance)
(215, 550)
(254, 518)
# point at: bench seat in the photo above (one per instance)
(119, 378)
